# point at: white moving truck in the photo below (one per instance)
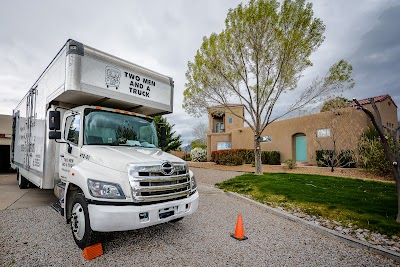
(84, 129)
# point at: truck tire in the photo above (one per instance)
(80, 224)
(23, 183)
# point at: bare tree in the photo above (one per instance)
(200, 132)
(260, 55)
(385, 133)
(332, 139)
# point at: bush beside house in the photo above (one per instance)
(243, 156)
(345, 159)
(198, 154)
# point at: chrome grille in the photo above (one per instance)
(151, 183)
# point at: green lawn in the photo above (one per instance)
(367, 204)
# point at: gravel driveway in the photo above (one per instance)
(39, 237)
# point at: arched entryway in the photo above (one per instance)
(300, 147)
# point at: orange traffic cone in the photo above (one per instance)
(239, 231)
(92, 251)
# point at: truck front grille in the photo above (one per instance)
(156, 186)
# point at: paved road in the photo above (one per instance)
(38, 237)
(11, 197)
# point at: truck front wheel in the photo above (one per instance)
(80, 223)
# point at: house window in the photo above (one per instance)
(323, 132)
(266, 139)
(230, 120)
(219, 127)
(224, 145)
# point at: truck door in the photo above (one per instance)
(15, 124)
(30, 124)
(69, 152)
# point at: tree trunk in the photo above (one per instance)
(257, 155)
(396, 174)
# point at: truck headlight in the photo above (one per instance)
(105, 189)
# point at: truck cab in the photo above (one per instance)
(113, 176)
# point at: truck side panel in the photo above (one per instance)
(31, 126)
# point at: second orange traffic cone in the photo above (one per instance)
(239, 231)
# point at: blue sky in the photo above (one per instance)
(164, 36)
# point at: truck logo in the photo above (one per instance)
(167, 168)
(113, 76)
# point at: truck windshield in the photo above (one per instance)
(109, 128)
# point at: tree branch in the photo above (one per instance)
(378, 127)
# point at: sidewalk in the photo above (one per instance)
(12, 197)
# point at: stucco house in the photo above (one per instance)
(298, 138)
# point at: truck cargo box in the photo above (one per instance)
(81, 75)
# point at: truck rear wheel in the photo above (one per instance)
(80, 224)
(23, 183)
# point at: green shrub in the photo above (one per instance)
(271, 157)
(248, 156)
(240, 156)
(322, 156)
(326, 158)
(228, 156)
(372, 155)
(290, 164)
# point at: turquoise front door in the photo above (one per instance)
(301, 148)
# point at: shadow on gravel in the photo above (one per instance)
(139, 237)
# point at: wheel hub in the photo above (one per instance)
(78, 221)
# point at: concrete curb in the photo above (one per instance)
(347, 239)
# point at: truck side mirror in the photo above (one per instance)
(54, 125)
(54, 135)
(163, 136)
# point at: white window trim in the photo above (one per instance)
(266, 139)
(323, 132)
(222, 142)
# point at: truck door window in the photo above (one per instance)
(72, 129)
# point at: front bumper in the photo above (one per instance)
(108, 218)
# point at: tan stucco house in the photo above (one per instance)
(298, 138)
